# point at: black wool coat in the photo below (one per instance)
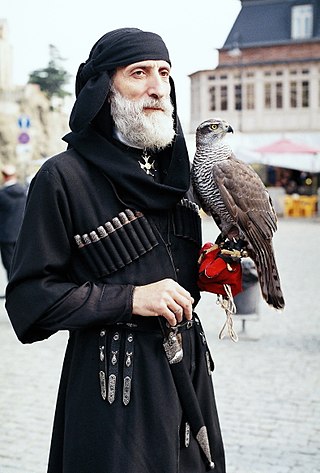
(12, 203)
(59, 284)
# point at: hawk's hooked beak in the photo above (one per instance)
(230, 129)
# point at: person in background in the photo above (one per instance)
(116, 235)
(12, 204)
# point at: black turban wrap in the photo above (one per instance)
(117, 48)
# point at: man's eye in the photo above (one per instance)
(138, 72)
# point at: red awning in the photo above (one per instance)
(287, 146)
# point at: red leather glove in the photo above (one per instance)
(215, 271)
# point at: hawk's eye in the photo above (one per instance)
(213, 126)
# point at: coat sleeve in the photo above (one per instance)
(41, 298)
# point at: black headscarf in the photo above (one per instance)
(115, 49)
(91, 123)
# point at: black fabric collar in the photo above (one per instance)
(120, 164)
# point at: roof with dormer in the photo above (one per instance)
(268, 23)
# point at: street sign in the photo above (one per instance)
(24, 122)
(23, 138)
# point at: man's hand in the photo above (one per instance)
(165, 298)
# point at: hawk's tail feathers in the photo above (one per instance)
(268, 274)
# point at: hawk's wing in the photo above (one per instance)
(245, 197)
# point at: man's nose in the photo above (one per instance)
(157, 87)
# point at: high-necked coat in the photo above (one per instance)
(59, 284)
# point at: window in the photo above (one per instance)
(238, 96)
(250, 96)
(293, 95)
(267, 95)
(273, 95)
(305, 94)
(224, 98)
(299, 94)
(279, 95)
(301, 21)
(212, 91)
(219, 98)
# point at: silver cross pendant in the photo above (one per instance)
(146, 165)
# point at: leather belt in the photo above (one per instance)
(141, 323)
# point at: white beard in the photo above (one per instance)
(154, 131)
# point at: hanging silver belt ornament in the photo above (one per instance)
(102, 356)
(113, 367)
(127, 369)
(110, 371)
(172, 345)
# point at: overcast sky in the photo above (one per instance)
(192, 31)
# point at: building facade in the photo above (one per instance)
(5, 57)
(268, 76)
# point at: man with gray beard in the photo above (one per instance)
(138, 129)
(116, 234)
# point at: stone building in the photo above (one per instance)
(268, 76)
(267, 86)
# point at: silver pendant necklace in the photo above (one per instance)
(146, 165)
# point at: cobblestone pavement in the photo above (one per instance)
(267, 385)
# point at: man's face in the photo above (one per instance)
(140, 104)
(142, 80)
